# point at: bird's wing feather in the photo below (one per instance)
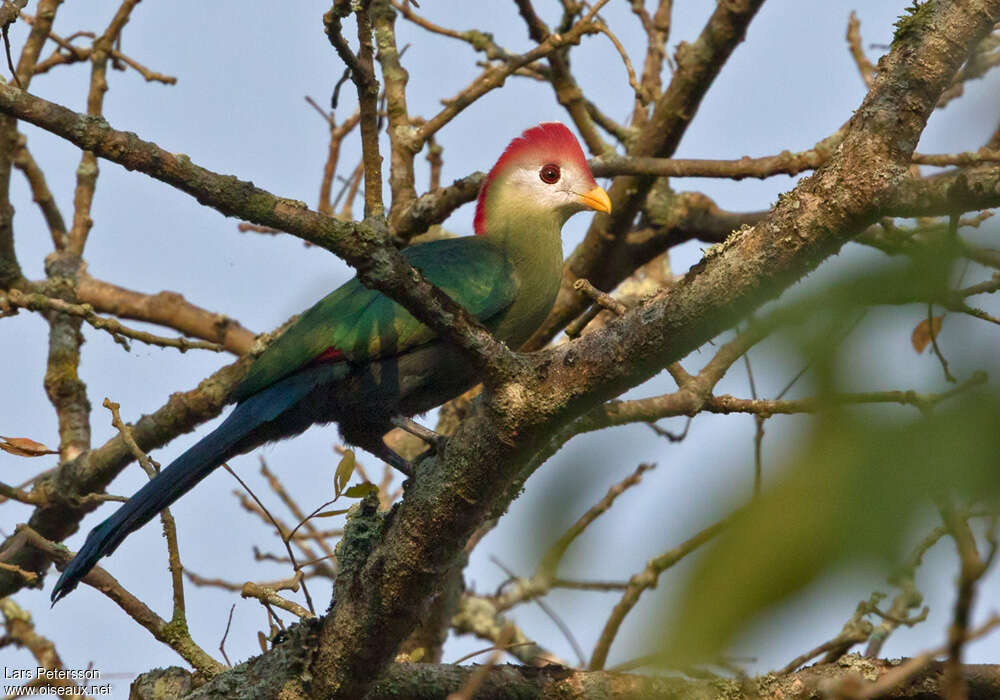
(362, 324)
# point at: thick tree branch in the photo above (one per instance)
(365, 246)
(553, 682)
(960, 190)
(784, 163)
(166, 309)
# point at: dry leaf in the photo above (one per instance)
(24, 447)
(925, 331)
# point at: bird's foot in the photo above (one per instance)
(395, 460)
(434, 439)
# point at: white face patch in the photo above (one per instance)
(564, 195)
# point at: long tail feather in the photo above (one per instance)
(169, 485)
(234, 436)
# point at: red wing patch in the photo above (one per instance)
(328, 356)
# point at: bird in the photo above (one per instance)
(361, 360)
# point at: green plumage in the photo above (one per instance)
(365, 325)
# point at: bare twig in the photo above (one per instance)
(151, 468)
(468, 691)
(39, 302)
(494, 77)
(222, 642)
(177, 638)
(362, 67)
(477, 615)
(602, 299)
(902, 673)
(337, 135)
(552, 615)
(271, 597)
(641, 96)
(865, 67)
(550, 562)
(40, 192)
(758, 438)
(856, 630)
(8, 15)
(288, 548)
(641, 582)
(972, 568)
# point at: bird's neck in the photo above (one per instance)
(530, 235)
(533, 244)
(529, 240)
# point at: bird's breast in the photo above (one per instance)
(538, 285)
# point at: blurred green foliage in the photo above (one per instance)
(856, 484)
(853, 492)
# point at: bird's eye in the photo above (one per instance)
(549, 173)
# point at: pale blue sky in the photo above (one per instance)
(238, 108)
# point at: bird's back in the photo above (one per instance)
(362, 325)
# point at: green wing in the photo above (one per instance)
(364, 324)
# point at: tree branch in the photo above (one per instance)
(365, 246)
(697, 66)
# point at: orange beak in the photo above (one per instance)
(597, 199)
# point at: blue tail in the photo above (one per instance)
(236, 435)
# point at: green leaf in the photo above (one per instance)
(331, 513)
(361, 490)
(344, 472)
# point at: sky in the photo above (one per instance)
(238, 108)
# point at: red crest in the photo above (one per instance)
(552, 139)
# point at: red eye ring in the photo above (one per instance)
(549, 173)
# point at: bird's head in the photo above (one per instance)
(542, 174)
